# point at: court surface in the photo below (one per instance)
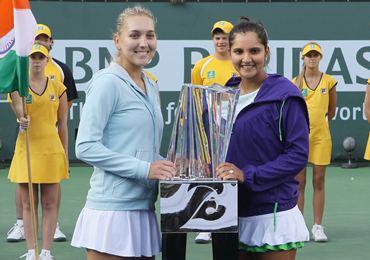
(347, 217)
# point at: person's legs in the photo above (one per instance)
(278, 255)
(95, 255)
(18, 203)
(225, 246)
(301, 177)
(174, 246)
(49, 202)
(246, 256)
(27, 220)
(59, 197)
(59, 236)
(270, 255)
(318, 180)
(16, 232)
(318, 233)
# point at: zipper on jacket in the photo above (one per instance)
(280, 119)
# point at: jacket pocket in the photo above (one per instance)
(128, 188)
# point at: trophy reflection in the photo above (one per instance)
(195, 200)
(202, 130)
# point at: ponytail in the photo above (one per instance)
(300, 78)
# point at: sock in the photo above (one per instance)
(45, 251)
(19, 222)
(31, 251)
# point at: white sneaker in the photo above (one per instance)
(15, 234)
(318, 234)
(58, 235)
(30, 255)
(45, 255)
(203, 238)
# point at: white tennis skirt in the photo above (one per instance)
(120, 233)
(288, 226)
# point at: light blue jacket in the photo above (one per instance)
(119, 134)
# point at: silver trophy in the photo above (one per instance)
(195, 200)
(202, 129)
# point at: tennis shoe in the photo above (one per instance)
(203, 238)
(16, 233)
(318, 233)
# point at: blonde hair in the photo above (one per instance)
(132, 11)
(300, 78)
(122, 19)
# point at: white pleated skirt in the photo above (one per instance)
(120, 233)
(288, 227)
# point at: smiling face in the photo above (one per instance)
(312, 60)
(248, 56)
(136, 42)
(221, 42)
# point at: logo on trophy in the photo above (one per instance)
(195, 200)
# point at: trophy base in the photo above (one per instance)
(201, 205)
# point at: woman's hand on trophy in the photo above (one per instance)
(161, 170)
(228, 171)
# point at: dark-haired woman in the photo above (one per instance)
(268, 148)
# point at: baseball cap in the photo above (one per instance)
(225, 26)
(43, 29)
(311, 46)
(39, 48)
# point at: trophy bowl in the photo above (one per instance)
(195, 200)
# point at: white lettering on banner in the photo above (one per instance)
(349, 61)
(343, 113)
(71, 110)
(169, 108)
(75, 108)
(350, 113)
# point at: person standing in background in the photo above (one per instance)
(367, 113)
(214, 69)
(56, 71)
(47, 111)
(319, 91)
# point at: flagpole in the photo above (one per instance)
(30, 186)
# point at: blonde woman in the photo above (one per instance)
(319, 91)
(120, 135)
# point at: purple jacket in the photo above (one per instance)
(269, 143)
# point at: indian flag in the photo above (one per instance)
(17, 35)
